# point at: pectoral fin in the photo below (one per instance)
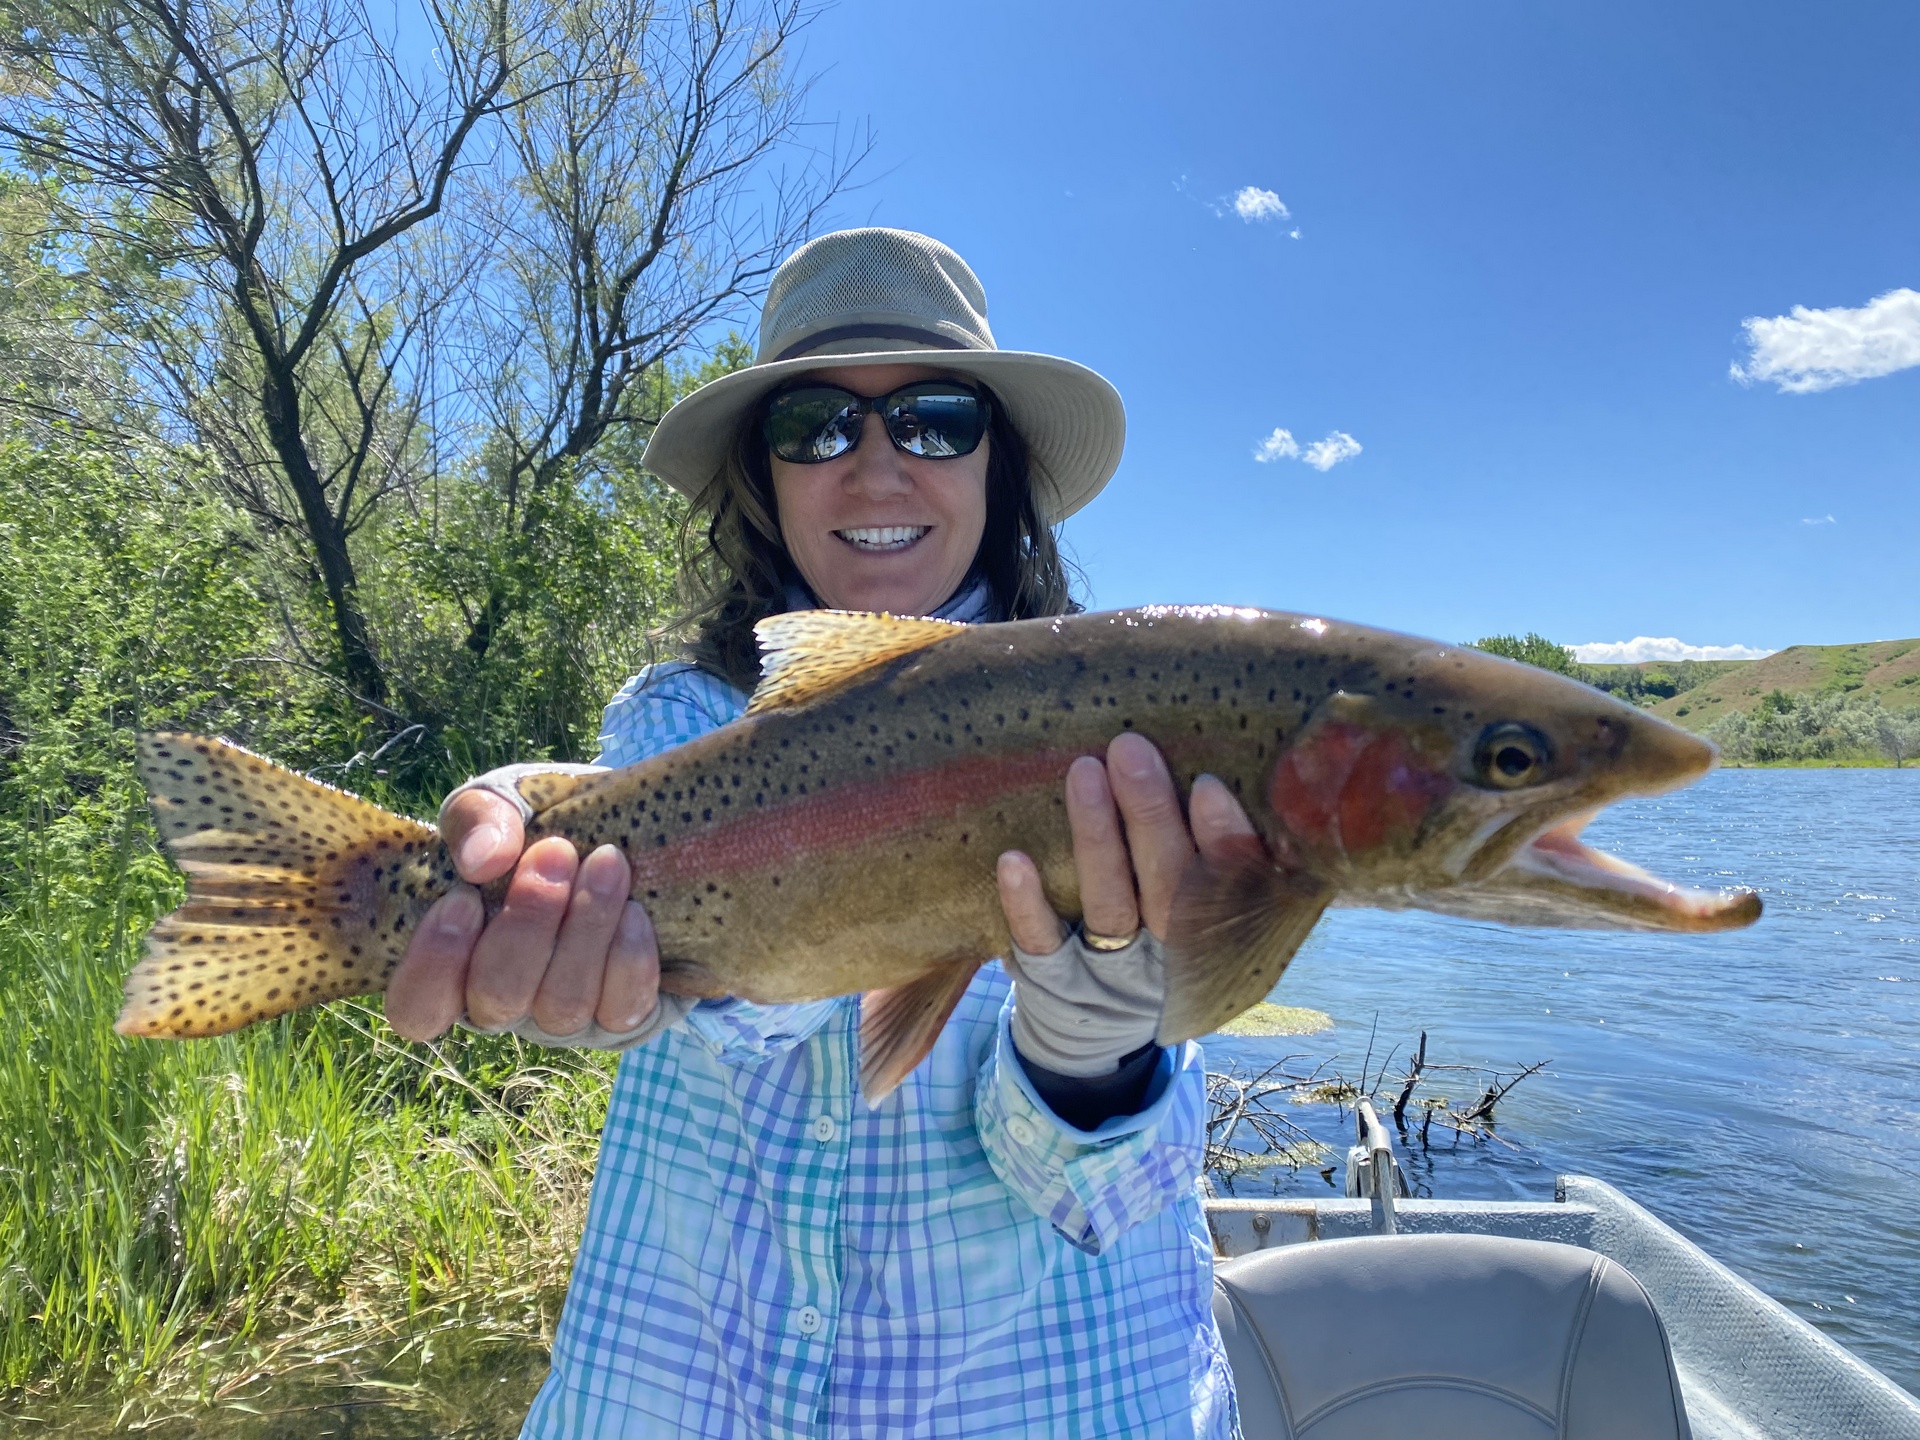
(899, 1025)
(1237, 919)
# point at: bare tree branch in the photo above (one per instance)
(376, 275)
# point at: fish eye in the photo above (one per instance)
(1512, 755)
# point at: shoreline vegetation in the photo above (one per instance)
(1806, 707)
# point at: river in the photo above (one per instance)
(1759, 1091)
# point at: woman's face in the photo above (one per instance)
(875, 529)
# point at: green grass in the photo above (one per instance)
(1266, 1018)
(185, 1226)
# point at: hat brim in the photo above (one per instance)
(1071, 417)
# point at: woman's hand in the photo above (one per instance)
(1131, 845)
(568, 948)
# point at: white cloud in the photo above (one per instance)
(1811, 350)
(1818, 520)
(1252, 203)
(1323, 455)
(1280, 445)
(1645, 647)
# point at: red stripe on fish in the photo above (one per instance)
(846, 817)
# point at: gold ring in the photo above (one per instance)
(1107, 944)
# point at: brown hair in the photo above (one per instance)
(734, 568)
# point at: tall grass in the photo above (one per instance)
(178, 1221)
(183, 1223)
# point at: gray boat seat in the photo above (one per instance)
(1444, 1337)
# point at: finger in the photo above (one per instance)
(1220, 822)
(1036, 929)
(483, 834)
(510, 958)
(570, 992)
(1107, 902)
(1157, 835)
(632, 986)
(428, 988)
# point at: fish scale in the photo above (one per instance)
(842, 836)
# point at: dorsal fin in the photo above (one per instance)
(809, 653)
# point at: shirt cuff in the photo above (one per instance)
(1155, 1102)
(1091, 1185)
(1085, 1102)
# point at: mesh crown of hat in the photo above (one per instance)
(886, 275)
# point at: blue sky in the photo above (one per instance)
(1528, 238)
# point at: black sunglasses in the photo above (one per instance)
(934, 419)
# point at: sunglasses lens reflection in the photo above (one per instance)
(935, 423)
(808, 426)
(815, 423)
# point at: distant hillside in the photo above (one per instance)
(1889, 669)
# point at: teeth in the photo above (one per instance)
(888, 537)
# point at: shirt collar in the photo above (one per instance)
(971, 604)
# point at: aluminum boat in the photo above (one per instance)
(1582, 1318)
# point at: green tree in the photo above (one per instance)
(1532, 649)
(1898, 733)
(389, 288)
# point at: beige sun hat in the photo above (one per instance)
(891, 297)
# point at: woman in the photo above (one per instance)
(1012, 1243)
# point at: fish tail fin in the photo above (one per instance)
(296, 892)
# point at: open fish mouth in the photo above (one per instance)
(1557, 879)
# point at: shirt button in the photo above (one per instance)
(810, 1320)
(824, 1129)
(1020, 1130)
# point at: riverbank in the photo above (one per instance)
(1869, 763)
(192, 1229)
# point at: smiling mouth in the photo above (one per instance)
(883, 538)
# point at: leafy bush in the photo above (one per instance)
(1834, 725)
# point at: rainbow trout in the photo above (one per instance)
(841, 836)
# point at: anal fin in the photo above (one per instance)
(1237, 920)
(898, 1025)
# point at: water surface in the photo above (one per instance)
(1759, 1091)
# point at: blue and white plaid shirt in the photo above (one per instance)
(768, 1257)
